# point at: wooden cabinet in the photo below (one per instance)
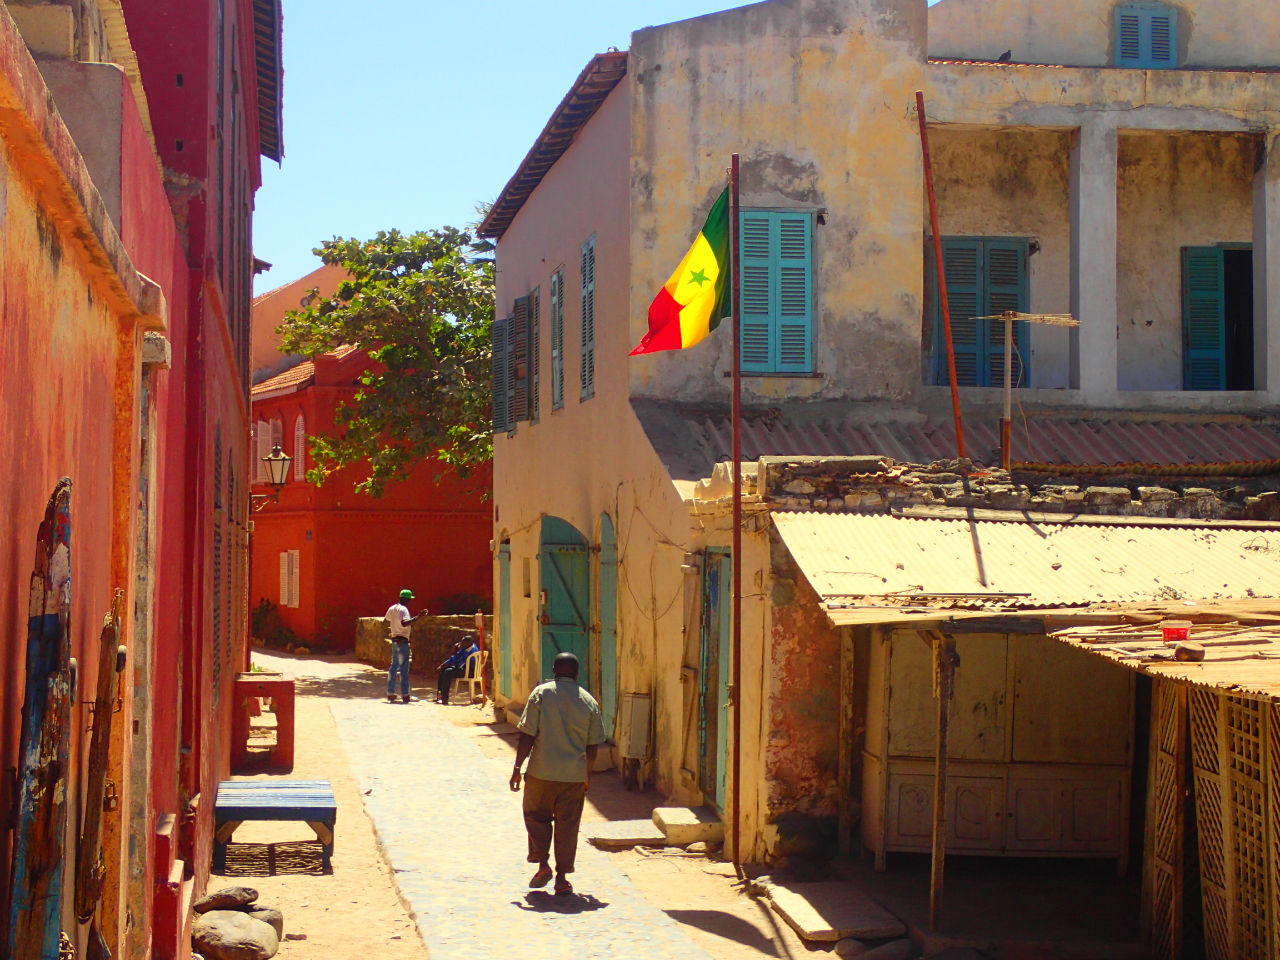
(1038, 759)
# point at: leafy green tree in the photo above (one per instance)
(421, 304)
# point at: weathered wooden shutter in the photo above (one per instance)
(1204, 319)
(795, 295)
(518, 374)
(587, 372)
(284, 578)
(962, 266)
(756, 288)
(501, 401)
(1004, 271)
(1146, 36)
(557, 340)
(300, 448)
(262, 441)
(535, 309)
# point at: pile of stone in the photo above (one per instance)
(234, 926)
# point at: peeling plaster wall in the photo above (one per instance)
(1173, 192)
(816, 98)
(1211, 33)
(1011, 183)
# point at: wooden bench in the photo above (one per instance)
(310, 801)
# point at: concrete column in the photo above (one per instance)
(1093, 260)
(1266, 267)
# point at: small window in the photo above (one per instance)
(300, 448)
(588, 364)
(1217, 318)
(776, 286)
(1146, 36)
(985, 277)
(290, 568)
(557, 340)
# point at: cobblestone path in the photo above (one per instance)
(453, 833)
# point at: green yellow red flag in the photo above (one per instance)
(691, 304)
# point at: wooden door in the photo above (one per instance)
(565, 579)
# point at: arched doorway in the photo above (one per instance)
(564, 605)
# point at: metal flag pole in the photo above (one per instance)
(735, 692)
(942, 273)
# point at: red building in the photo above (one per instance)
(325, 556)
(132, 134)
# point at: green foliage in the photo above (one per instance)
(422, 306)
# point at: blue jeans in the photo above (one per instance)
(401, 654)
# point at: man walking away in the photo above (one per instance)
(561, 728)
(399, 621)
(454, 666)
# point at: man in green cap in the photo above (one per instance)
(398, 619)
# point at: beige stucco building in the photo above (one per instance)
(1114, 161)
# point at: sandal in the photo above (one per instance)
(563, 886)
(541, 878)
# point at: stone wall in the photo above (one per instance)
(881, 485)
(432, 639)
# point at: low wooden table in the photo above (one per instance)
(310, 801)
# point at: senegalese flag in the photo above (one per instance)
(691, 304)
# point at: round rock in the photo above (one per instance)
(893, 950)
(227, 898)
(233, 935)
(849, 947)
(268, 915)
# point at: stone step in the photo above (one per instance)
(830, 911)
(624, 834)
(685, 825)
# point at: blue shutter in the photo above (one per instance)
(1146, 36)
(756, 289)
(518, 374)
(794, 350)
(506, 635)
(501, 405)
(587, 371)
(1005, 287)
(962, 266)
(1204, 319)
(557, 340)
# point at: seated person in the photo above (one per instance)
(453, 666)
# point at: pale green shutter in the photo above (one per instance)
(535, 309)
(962, 266)
(794, 351)
(1204, 319)
(519, 372)
(1146, 36)
(501, 405)
(557, 340)
(1005, 281)
(755, 276)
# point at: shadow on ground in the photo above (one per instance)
(543, 902)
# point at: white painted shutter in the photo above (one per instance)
(262, 438)
(284, 578)
(299, 448)
(295, 571)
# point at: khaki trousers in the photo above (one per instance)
(548, 803)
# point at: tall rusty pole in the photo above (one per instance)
(942, 273)
(735, 805)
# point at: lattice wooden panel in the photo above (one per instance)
(1245, 730)
(1273, 783)
(1166, 822)
(1209, 824)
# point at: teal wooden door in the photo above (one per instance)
(565, 579)
(608, 624)
(505, 634)
(714, 674)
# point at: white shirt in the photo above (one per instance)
(396, 616)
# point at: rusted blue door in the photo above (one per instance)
(565, 599)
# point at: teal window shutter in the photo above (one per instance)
(1146, 36)
(1204, 319)
(775, 257)
(501, 407)
(985, 278)
(519, 371)
(587, 372)
(962, 266)
(535, 308)
(557, 340)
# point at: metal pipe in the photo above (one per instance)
(1007, 421)
(942, 274)
(735, 806)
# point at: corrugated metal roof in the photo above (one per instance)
(1024, 564)
(579, 105)
(690, 439)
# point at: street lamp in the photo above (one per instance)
(277, 464)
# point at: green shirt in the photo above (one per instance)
(564, 720)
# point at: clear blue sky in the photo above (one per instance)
(408, 113)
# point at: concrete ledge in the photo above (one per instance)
(685, 825)
(833, 911)
(625, 834)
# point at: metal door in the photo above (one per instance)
(565, 597)
(713, 692)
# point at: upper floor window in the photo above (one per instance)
(588, 364)
(1146, 35)
(985, 277)
(776, 285)
(515, 356)
(557, 340)
(1217, 317)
